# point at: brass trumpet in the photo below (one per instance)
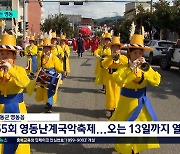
(144, 66)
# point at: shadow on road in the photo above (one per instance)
(170, 84)
(36, 108)
(83, 112)
(69, 149)
(77, 111)
(82, 79)
(86, 62)
(77, 90)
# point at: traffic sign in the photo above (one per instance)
(8, 14)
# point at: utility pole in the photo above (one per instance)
(24, 19)
(59, 8)
(151, 9)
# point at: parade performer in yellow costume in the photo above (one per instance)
(66, 50)
(49, 62)
(40, 50)
(101, 75)
(31, 53)
(134, 104)
(13, 80)
(97, 54)
(111, 64)
(56, 49)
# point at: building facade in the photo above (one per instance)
(131, 9)
(34, 17)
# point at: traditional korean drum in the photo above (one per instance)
(48, 79)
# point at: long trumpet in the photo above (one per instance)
(144, 66)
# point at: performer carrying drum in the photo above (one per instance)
(48, 78)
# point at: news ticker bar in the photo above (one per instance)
(91, 140)
(90, 129)
(29, 117)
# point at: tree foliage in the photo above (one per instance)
(58, 23)
(122, 26)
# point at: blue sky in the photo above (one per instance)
(90, 9)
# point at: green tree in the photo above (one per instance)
(58, 23)
(162, 16)
(175, 20)
(144, 18)
(124, 30)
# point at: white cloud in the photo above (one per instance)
(90, 9)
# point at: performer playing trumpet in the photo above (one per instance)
(134, 104)
(101, 53)
(111, 64)
(31, 53)
(13, 81)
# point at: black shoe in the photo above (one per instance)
(49, 108)
(109, 113)
(49, 111)
(112, 111)
(134, 153)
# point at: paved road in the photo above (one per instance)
(80, 100)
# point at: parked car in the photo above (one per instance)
(158, 47)
(171, 58)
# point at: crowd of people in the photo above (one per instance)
(124, 79)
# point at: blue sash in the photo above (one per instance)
(34, 64)
(50, 86)
(11, 102)
(11, 106)
(142, 100)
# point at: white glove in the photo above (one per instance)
(142, 60)
(133, 64)
(7, 64)
(98, 56)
